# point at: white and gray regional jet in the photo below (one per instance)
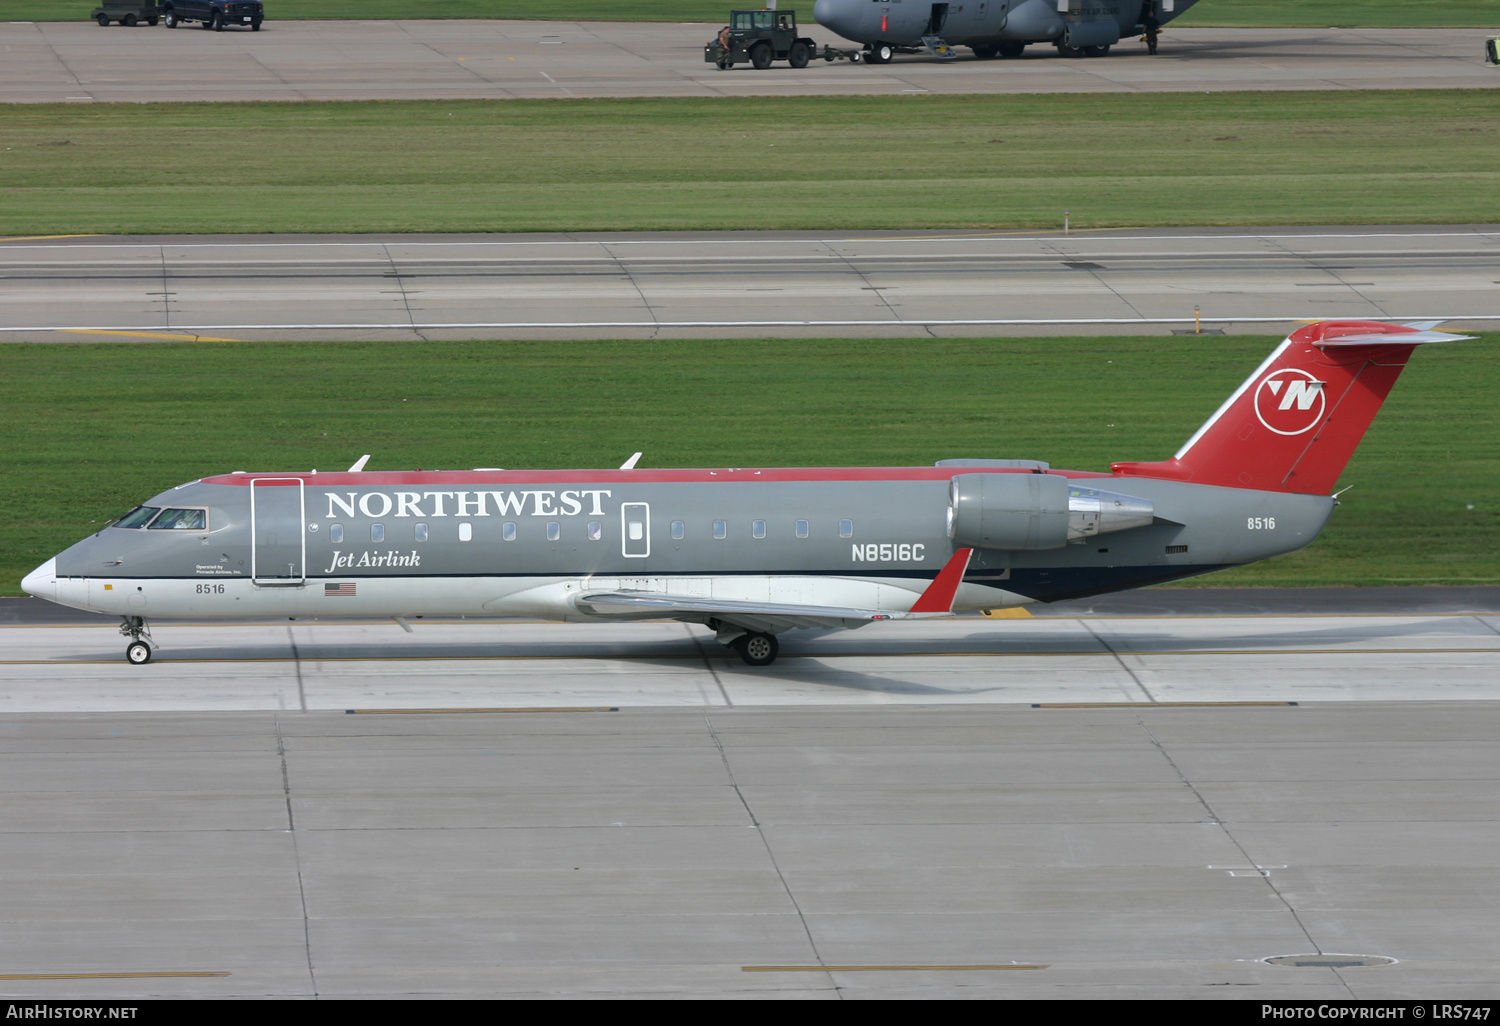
(750, 552)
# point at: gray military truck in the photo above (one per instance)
(126, 14)
(760, 37)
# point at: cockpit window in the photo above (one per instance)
(138, 516)
(181, 520)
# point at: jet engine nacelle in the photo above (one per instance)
(1036, 511)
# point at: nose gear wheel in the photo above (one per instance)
(142, 645)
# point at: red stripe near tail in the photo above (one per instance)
(938, 598)
(1294, 423)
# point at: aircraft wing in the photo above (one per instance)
(771, 617)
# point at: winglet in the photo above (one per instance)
(359, 464)
(938, 598)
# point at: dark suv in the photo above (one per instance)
(214, 14)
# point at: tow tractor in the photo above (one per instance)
(760, 37)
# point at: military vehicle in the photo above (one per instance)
(126, 14)
(993, 28)
(760, 37)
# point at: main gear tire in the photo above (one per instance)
(757, 649)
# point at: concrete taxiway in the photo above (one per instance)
(348, 60)
(1080, 806)
(661, 284)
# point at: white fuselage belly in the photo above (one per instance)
(548, 598)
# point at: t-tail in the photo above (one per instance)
(1294, 423)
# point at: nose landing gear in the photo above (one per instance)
(138, 652)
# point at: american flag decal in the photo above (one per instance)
(331, 590)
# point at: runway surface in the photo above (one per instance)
(75, 62)
(660, 285)
(1081, 807)
(376, 666)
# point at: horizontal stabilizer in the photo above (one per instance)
(1415, 339)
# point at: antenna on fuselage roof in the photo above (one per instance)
(359, 464)
(630, 463)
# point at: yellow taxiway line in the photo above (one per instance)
(436, 658)
(451, 712)
(879, 968)
(106, 976)
(148, 334)
(33, 238)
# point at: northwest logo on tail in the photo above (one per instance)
(1289, 402)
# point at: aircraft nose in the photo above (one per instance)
(835, 15)
(42, 582)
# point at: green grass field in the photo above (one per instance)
(92, 430)
(1318, 13)
(1425, 156)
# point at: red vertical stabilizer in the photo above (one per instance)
(1294, 423)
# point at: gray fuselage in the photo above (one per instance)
(498, 542)
(980, 22)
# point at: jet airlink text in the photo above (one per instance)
(389, 558)
(468, 504)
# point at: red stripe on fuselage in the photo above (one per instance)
(813, 474)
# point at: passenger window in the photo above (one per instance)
(721, 529)
(377, 532)
(466, 531)
(596, 530)
(554, 530)
(336, 533)
(180, 520)
(508, 531)
(758, 528)
(636, 530)
(678, 530)
(846, 529)
(802, 529)
(138, 517)
(421, 532)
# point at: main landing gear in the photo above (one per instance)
(757, 648)
(138, 652)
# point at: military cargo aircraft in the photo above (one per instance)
(750, 553)
(993, 28)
